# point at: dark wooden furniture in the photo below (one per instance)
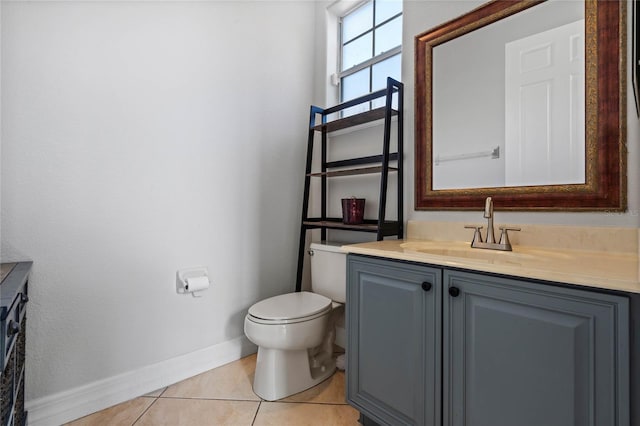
(13, 323)
(376, 164)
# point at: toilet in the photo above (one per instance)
(295, 332)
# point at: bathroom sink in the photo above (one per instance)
(463, 250)
(460, 250)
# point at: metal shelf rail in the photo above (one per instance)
(354, 166)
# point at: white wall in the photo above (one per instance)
(421, 15)
(139, 138)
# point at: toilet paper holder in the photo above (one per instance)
(192, 280)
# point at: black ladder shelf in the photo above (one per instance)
(378, 164)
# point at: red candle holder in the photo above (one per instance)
(352, 210)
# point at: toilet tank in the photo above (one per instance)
(329, 270)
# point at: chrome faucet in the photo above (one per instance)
(490, 242)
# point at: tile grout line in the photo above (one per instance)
(255, 416)
(145, 411)
(250, 400)
(204, 398)
(309, 403)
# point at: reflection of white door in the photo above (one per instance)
(544, 104)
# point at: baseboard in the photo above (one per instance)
(78, 402)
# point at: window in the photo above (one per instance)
(370, 48)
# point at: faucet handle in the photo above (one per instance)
(504, 236)
(477, 236)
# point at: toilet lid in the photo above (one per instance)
(290, 306)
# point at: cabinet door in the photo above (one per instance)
(528, 354)
(393, 341)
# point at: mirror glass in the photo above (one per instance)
(508, 101)
(523, 101)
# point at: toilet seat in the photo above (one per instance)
(290, 308)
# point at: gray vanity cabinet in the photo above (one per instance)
(479, 350)
(393, 322)
(527, 354)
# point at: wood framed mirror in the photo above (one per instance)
(599, 182)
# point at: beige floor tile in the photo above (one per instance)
(124, 414)
(201, 412)
(331, 391)
(285, 413)
(231, 381)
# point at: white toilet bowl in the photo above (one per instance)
(295, 332)
(294, 343)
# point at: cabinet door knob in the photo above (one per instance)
(426, 286)
(13, 328)
(24, 298)
(454, 291)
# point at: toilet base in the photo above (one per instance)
(281, 373)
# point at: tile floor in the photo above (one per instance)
(224, 396)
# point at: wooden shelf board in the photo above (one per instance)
(354, 120)
(352, 172)
(360, 161)
(389, 227)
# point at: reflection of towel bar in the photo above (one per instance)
(494, 153)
